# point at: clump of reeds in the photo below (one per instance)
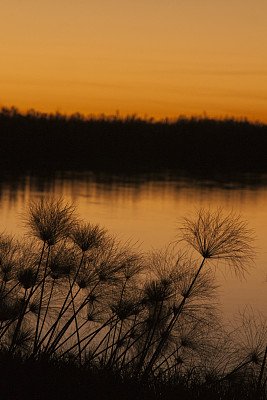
(73, 292)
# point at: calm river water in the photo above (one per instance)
(149, 211)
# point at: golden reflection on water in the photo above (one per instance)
(149, 212)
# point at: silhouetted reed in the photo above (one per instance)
(214, 237)
(77, 295)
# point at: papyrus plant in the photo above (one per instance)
(215, 237)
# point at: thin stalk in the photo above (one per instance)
(169, 366)
(262, 368)
(128, 342)
(52, 329)
(105, 355)
(236, 369)
(10, 290)
(70, 336)
(38, 269)
(150, 335)
(40, 303)
(102, 351)
(2, 283)
(92, 335)
(63, 309)
(114, 333)
(46, 311)
(166, 358)
(76, 325)
(113, 340)
(172, 323)
(127, 334)
(99, 344)
(113, 354)
(6, 327)
(123, 354)
(71, 319)
(26, 304)
(136, 356)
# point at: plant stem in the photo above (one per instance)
(262, 369)
(40, 304)
(172, 323)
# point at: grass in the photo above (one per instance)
(81, 313)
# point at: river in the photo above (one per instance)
(148, 210)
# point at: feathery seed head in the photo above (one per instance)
(23, 337)
(34, 306)
(27, 277)
(157, 291)
(186, 342)
(10, 308)
(49, 220)
(92, 298)
(179, 360)
(124, 308)
(82, 282)
(216, 236)
(91, 316)
(250, 336)
(61, 264)
(8, 256)
(254, 357)
(7, 267)
(87, 236)
(85, 278)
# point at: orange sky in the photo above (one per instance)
(159, 58)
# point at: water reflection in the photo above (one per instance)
(147, 209)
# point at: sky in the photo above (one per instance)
(153, 58)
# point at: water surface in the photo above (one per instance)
(148, 211)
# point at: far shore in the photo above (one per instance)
(199, 147)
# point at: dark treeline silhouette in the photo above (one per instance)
(36, 141)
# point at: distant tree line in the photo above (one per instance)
(38, 141)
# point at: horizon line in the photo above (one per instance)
(13, 111)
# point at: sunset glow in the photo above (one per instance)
(152, 58)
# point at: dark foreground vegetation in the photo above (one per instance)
(35, 141)
(85, 316)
